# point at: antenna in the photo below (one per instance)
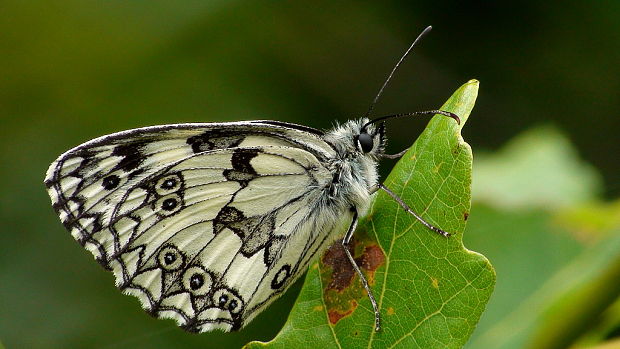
(374, 102)
(427, 112)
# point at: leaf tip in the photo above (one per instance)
(473, 81)
(462, 101)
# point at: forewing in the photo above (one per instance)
(193, 220)
(88, 181)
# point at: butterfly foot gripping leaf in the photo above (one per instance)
(430, 290)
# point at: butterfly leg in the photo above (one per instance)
(394, 156)
(345, 244)
(408, 209)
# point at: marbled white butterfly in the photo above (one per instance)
(209, 223)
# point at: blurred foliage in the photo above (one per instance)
(73, 70)
(565, 306)
(606, 329)
(538, 168)
(557, 256)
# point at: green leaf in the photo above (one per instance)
(566, 306)
(430, 289)
(527, 249)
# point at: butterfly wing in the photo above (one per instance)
(204, 223)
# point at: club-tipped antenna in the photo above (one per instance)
(374, 102)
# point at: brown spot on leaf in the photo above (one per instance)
(335, 315)
(342, 271)
(318, 308)
(342, 289)
(465, 215)
(371, 259)
(390, 311)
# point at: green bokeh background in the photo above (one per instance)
(74, 70)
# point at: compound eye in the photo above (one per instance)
(365, 142)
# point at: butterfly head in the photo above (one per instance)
(369, 139)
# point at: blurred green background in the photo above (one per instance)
(544, 134)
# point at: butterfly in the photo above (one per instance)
(208, 223)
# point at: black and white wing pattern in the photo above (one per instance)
(204, 223)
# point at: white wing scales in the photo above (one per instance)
(205, 224)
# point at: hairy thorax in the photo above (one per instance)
(354, 177)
